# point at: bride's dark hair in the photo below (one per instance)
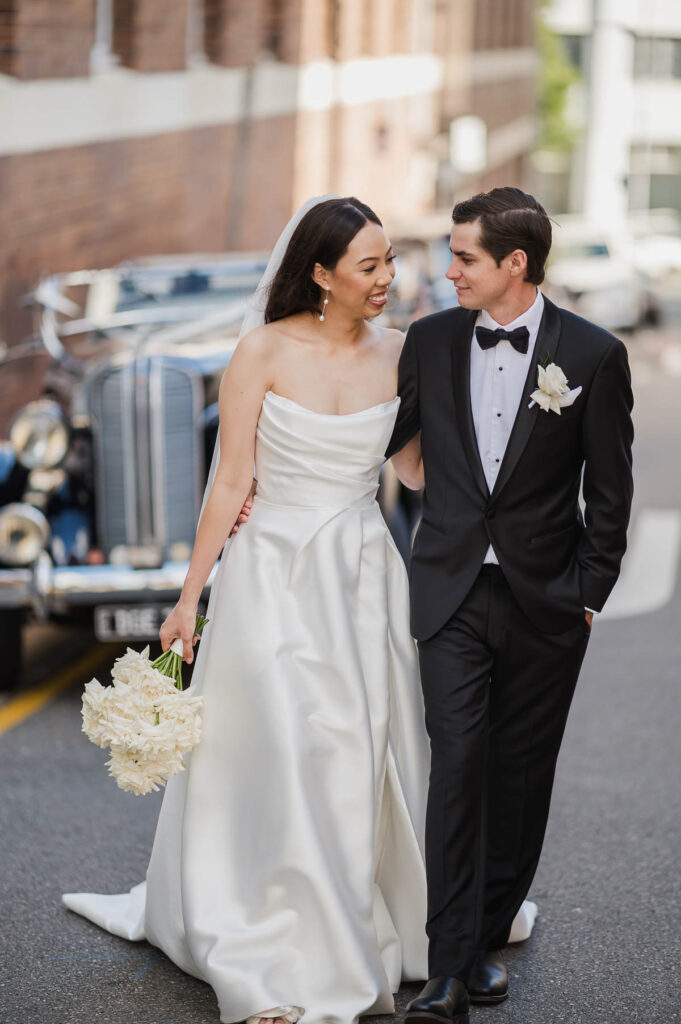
(322, 236)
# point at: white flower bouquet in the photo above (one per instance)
(147, 720)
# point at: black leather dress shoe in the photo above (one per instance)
(443, 1001)
(488, 980)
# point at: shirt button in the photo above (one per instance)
(496, 460)
(498, 414)
(500, 369)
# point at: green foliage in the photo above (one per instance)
(556, 75)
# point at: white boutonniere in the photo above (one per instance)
(553, 392)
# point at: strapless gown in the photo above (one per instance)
(288, 867)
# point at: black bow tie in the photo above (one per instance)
(519, 338)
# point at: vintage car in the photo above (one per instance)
(101, 477)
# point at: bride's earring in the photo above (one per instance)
(326, 302)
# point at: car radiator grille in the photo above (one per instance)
(148, 451)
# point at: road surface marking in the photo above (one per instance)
(27, 704)
(649, 568)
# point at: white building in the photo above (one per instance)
(629, 103)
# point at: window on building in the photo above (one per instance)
(273, 37)
(655, 178)
(7, 40)
(657, 58)
(382, 137)
(665, 191)
(575, 50)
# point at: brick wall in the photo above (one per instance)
(504, 23)
(454, 31)
(46, 38)
(318, 27)
(233, 32)
(232, 187)
(365, 150)
(150, 35)
(282, 28)
(515, 173)
(237, 33)
(499, 103)
(97, 205)
(261, 195)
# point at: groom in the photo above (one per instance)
(518, 403)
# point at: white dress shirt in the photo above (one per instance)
(497, 379)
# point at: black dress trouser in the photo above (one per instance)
(497, 694)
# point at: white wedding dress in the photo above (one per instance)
(287, 868)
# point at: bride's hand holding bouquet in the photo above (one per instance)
(179, 631)
(145, 718)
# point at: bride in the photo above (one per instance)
(287, 869)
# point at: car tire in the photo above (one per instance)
(11, 645)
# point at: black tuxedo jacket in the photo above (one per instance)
(556, 561)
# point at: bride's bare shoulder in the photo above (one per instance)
(256, 341)
(260, 345)
(392, 341)
(273, 335)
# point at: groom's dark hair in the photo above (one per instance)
(322, 236)
(510, 219)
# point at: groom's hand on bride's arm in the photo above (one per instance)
(408, 464)
(246, 509)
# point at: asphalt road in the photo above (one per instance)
(607, 945)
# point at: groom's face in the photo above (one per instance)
(479, 282)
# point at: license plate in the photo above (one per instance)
(131, 621)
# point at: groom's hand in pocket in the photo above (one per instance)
(245, 509)
(589, 616)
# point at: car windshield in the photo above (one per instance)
(92, 311)
(195, 287)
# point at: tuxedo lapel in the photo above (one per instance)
(461, 377)
(545, 347)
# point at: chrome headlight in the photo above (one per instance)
(40, 435)
(23, 534)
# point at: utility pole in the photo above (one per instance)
(609, 113)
